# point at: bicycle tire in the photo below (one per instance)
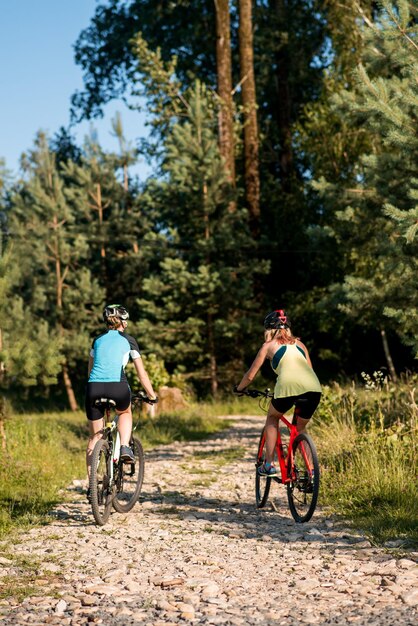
(262, 483)
(101, 497)
(303, 471)
(129, 485)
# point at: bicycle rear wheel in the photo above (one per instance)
(129, 480)
(100, 488)
(262, 483)
(303, 471)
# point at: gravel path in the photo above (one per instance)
(195, 550)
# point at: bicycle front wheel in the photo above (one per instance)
(100, 482)
(129, 480)
(303, 471)
(262, 483)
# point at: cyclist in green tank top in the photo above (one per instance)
(296, 385)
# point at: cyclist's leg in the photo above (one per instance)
(270, 429)
(125, 425)
(305, 406)
(278, 406)
(121, 394)
(95, 421)
(300, 423)
(95, 433)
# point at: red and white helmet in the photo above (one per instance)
(276, 319)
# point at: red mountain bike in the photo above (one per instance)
(298, 467)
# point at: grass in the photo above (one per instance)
(45, 452)
(367, 444)
(26, 580)
(366, 439)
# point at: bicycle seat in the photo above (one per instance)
(105, 403)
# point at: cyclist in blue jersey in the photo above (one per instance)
(109, 355)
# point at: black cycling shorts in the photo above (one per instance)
(305, 404)
(119, 392)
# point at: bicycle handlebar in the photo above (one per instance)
(140, 396)
(254, 393)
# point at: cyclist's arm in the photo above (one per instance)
(305, 349)
(253, 371)
(144, 379)
(91, 361)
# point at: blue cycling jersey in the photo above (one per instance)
(111, 352)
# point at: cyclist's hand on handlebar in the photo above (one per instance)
(142, 397)
(235, 390)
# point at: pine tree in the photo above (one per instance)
(57, 292)
(378, 215)
(224, 82)
(110, 215)
(249, 103)
(200, 304)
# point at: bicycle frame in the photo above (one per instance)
(286, 461)
(299, 467)
(111, 433)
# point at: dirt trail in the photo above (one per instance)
(195, 550)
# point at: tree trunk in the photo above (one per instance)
(388, 356)
(212, 358)
(100, 211)
(249, 101)
(211, 339)
(69, 388)
(283, 112)
(58, 270)
(3, 416)
(98, 206)
(224, 72)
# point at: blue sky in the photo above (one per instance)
(38, 75)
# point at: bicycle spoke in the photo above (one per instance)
(100, 484)
(129, 480)
(262, 483)
(302, 490)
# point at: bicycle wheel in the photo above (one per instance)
(129, 480)
(303, 471)
(262, 483)
(100, 488)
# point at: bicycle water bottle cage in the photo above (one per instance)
(105, 403)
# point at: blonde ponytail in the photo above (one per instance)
(281, 335)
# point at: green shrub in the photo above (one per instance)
(45, 452)
(366, 440)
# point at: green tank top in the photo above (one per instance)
(294, 374)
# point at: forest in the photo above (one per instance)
(283, 143)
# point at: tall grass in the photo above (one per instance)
(45, 452)
(366, 438)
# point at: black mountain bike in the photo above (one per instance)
(113, 483)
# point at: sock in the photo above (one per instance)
(267, 464)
